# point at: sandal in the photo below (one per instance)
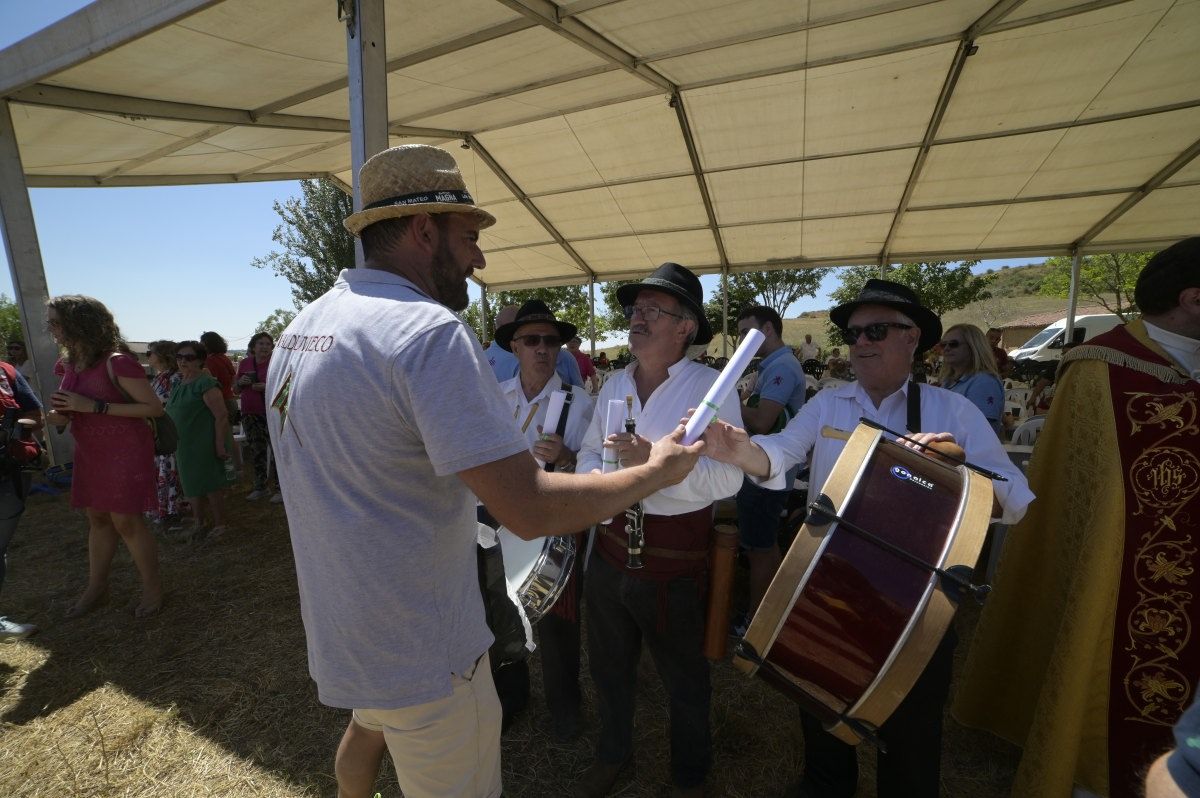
(80, 608)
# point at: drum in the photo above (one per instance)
(537, 570)
(858, 605)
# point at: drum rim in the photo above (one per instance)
(537, 606)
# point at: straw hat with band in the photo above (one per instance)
(673, 279)
(532, 312)
(412, 179)
(900, 297)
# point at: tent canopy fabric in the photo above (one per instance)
(608, 136)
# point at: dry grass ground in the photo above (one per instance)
(212, 696)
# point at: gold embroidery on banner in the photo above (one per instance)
(1163, 478)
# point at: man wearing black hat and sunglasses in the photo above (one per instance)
(660, 603)
(885, 327)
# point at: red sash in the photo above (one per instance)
(676, 545)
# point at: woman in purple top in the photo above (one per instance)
(969, 368)
(251, 386)
(106, 399)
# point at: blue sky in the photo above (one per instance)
(172, 262)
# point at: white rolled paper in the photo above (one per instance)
(720, 390)
(614, 422)
(553, 414)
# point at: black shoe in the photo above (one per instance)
(598, 780)
(566, 729)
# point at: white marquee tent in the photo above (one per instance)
(608, 136)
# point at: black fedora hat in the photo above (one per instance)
(900, 297)
(673, 279)
(532, 312)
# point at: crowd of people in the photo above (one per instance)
(1084, 656)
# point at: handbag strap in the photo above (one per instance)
(113, 378)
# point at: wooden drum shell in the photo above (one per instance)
(847, 627)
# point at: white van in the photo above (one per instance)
(1048, 344)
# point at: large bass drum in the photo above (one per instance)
(537, 570)
(854, 615)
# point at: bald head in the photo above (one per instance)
(507, 315)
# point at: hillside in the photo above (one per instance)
(1014, 296)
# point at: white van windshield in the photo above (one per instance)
(1041, 338)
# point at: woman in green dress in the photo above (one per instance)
(203, 458)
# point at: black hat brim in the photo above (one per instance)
(505, 333)
(627, 294)
(926, 320)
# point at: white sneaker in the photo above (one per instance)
(11, 630)
(277, 498)
(255, 495)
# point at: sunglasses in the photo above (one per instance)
(649, 313)
(951, 344)
(551, 341)
(186, 358)
(874, 332)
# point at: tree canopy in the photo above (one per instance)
(276, 323)
(316, 246)
(942, 286)
(1109, 279)
(10, 320)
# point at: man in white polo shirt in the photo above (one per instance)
(386, 419)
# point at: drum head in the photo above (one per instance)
(520, 557)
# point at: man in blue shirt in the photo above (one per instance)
(778, 394)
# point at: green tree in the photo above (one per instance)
(315, 244)
(1109, 279)
(568, 303)
(742, 294)
(10, 320)
(276, 323)
(777, 289)
(473, 316)
(610, 316)
(942, 286)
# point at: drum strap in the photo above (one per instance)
(914, 406)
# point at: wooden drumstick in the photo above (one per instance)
(934, 450)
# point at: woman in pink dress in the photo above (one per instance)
(114, 478)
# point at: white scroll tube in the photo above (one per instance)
(614, 422)
(553, 414)
(720, 390)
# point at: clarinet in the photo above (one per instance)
(635, 532)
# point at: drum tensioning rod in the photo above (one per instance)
(925, 446)
(823, 512)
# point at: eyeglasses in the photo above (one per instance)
(186, 358)
(951, 344)
(552, 341)
(649, 313)
(875, 332)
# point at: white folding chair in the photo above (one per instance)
(1027, 433)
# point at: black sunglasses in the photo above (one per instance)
(188, 358)
(951, 344)
(533, 340)
(875, 332)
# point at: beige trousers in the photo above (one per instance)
(449, 748)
